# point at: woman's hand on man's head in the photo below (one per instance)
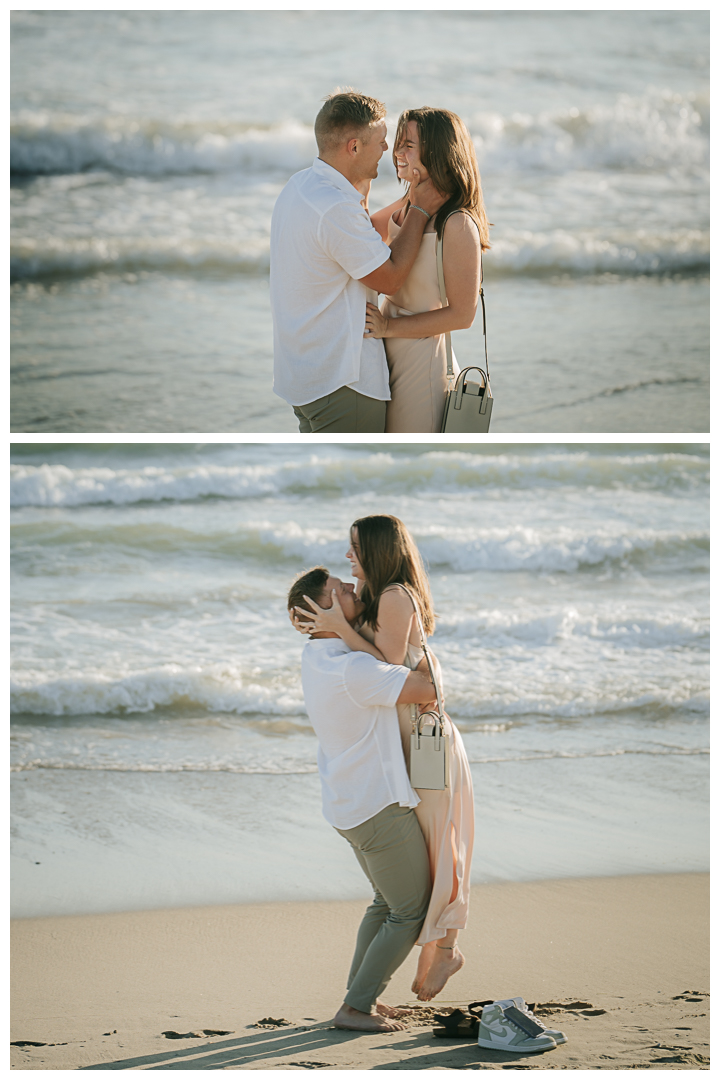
(297, 622)
(322, 620)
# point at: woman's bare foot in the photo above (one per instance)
(354, 1020)
(427, 955)
(392, 1012)
(445, 964)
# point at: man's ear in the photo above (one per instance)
(352, 146)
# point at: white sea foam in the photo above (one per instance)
(639, 252)
(653, 131)
(515, 252)
(58, 485)
(217, 688)
(45, 142)
(300, 768)
(30, 256)
(223, 689)
(561, 549)
(650, 132)
(501, 628)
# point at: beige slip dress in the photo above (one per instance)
(447, 821)
(418, 369)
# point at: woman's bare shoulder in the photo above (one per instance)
(460, 228)
(395, 598)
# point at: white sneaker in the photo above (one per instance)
(519, 1002)
(505, 1027)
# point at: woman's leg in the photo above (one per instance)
(444, 959)
(441, 958)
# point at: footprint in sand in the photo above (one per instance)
(194, 1034)
(312, 1064)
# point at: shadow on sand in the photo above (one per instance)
(265, 1045)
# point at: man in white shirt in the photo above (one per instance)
(324, 256)
(366, 794)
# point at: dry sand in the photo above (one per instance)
(619, 964)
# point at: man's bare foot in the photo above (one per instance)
(445, 964)
(353, 1020)
(427, 955)
(393, 1012)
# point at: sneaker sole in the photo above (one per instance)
(516, 1049)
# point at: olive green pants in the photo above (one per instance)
(391, 851)
(343, 410)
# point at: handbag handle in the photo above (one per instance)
(439, 727)
(443, 297)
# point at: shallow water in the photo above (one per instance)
(141, 205)
(161, 751)
(631, 354)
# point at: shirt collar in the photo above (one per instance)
(327, 172)
(330, 644)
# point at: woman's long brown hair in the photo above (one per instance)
(447, 152)
(387, 553)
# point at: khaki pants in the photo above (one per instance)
(343, 410)
(391, 850)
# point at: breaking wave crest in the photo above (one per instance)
(652, 131)
(432, 472)
(515, 253)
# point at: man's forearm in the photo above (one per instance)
(406, 244)
(388, 278)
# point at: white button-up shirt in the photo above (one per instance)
(321, 242)
(350, 699)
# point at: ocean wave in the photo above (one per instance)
(640, 252)
(514, 253)
(300, 768)
(219, 688)
(30, 257)
(46, 143)
(58, 485)
(652, 131)
(182, 689)
(558, 549)
(496, 629)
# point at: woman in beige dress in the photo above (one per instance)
(382, 553)
(434, 143)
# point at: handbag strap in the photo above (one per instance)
(425, 649)
(443, 297)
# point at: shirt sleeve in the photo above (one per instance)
(347, 236)
(373, 682)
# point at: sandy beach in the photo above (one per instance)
(620, 964)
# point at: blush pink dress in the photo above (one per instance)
(418, 370)
(447, 820)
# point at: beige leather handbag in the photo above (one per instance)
(468, 405)
(429, 749)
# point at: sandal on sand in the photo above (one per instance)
(458, 1025)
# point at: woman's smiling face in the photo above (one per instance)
(352, 554)
(407, 154)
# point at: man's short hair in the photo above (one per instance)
(346, 114)
(308, 583)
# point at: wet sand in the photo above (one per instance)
(620, 964)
